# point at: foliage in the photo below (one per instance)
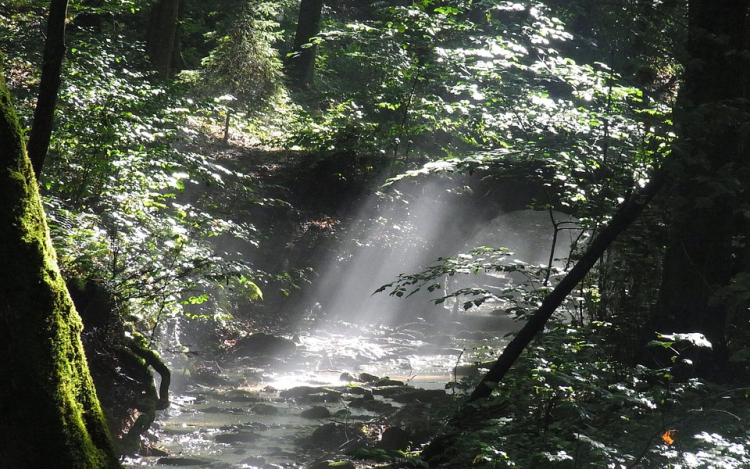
(117, 192)
(513, 285)
(566, 404)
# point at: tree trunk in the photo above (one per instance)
(627, 213)
(162, 35)
(49, 412)
(302, 63)
(709, 158)
(54, 52)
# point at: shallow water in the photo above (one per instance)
(244, 422)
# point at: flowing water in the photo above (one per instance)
(242, 412)
(245, 419)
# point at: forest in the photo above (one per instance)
(374, 233)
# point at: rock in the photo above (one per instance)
(152, 451)
(254, 461)
(222, 410)
(329, 435)
(311, 394)
(394, 438)
(346, 376)
(356, 390)
(388, 382)
(380, 407)
(317, 412)
(208, 377)
(261, 344)
(239, 395)
(368, 378)
(343, 464)
(264, 409)
(182, 462)
(238, 437)
(421, 395)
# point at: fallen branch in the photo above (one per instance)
(626, 214)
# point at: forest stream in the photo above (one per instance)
(338, 390)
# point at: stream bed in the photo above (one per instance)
(337, 389)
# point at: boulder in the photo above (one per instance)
(261, 344)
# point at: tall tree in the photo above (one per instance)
(302, 62)
(162, 35)
(50, 412)
(707, 172)
(54, 52)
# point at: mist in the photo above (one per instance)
(406, 232)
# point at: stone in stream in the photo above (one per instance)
(254, 461)
(421, 395)
(367, 378)
(380, 407)
(222, 410)
(239, 395)
(183, 462)
(316, 412)
(394, 438)
(264, 409)
(310, 394)
(237, 437)
(261, 344)
(388, 382)
(332, 435)
(343, 464)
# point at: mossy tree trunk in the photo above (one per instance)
(49, 412)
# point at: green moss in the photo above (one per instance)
(51, 415)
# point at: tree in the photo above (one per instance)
(51, 414)
(163, 35)
(54, 53)
(302, 62)
(708, 175)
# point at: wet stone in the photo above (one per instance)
(317, 412)
(239, 437)
(333, 465)
(183, 462)
(368, 378)
(254, 461)
(264, 409)
(329, 435)
(421, 395)
(310, 394)
(222, 410)
(379, 407)
(261, 344)
(388, 382)
(239, 395)
(394, 438)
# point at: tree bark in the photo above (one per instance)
(705, 176)
(162, 36)
(626, 214)
(302, 63)
(50, 414)
(54, 52)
